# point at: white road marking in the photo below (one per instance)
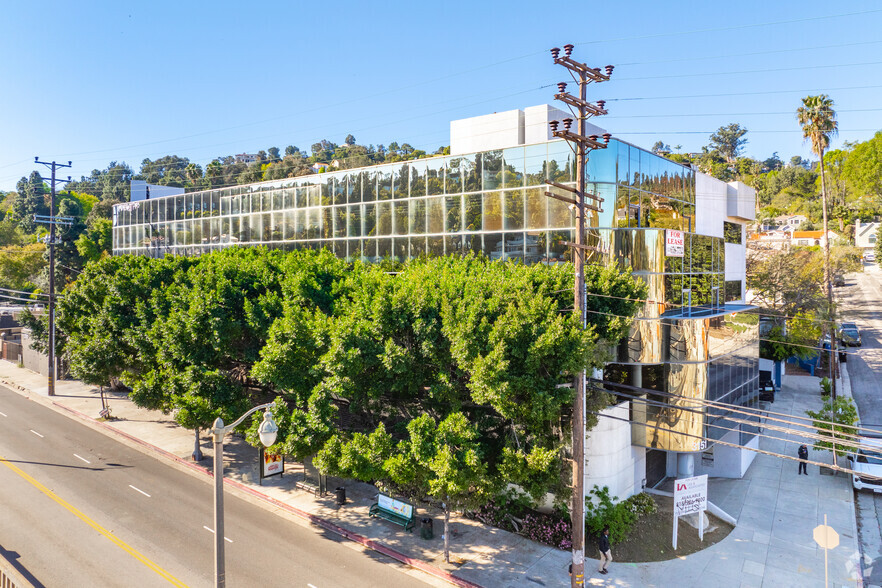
(139, 490)
(37, 434)
(2, 414)
(82, 458)
(210, 530)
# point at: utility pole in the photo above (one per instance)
(53, 166)
(581, 144)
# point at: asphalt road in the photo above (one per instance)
(861, 302)
(78, 508)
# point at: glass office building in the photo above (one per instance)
(686, 340)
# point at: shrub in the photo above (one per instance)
(549, 529)
(603, 511)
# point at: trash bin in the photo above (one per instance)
(426, 530)
(341, 495)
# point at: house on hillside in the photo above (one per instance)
(865, 234)
(811, 238)
(246, 157)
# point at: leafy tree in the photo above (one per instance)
(863, 167)
(30, 200)
(20, 266)
(96, 240)
(291, 150)
(661, 148)
(878, 247)
(350, 140)
(273, 154)
(729, 140)
(842, 413)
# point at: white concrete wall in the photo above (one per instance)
(710, 205)
(741, 201)
(722, 461)
(490, 131)
(139, 190)
(736, 262)
(610, 460)
(536, 119)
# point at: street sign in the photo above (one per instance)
(826, 537)
(690, 495)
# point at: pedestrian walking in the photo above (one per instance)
(605, 553)
(803, 455)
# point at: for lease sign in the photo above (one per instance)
(690, 495)
(675, 243)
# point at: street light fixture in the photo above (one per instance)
(267, 432)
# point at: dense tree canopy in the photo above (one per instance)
(440, 380)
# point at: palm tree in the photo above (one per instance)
(818, 121)
(194, 174)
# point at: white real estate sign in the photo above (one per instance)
(674, 243)
(690, 496)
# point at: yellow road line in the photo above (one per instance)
(79, 514)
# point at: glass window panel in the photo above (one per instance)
(472, 212)
(417, 247)
(601, 165)
(327, 229)
(435, 246)
(535, 247)
(368, 186)
(288, 198)
(417, 213)
(339, 190)
(277, 199)
(435, 215)
(560, 162)
(369, 213)
(514, 209)
(353, 188)
(256, 222)
(558, 251)
(435, 176)
(494, 247)
(513, 167)
(401, 181)
(400, 222)
(453, 208)
(473, 243)
(470, 170)
(313, 223)
(288, 224)
(384, 248)
(384, 218)
(560, 214)
(537, 206)
(452, 244)
(271, 230)
(300, 224)
(355, 220)
(453, 176)
(399, 248)
(491, 165)
(417, 179)
(225, 208)
(493, 211)
(339, 248)
(300, 197)
(340, 221)
(535, 158)
(384, 190)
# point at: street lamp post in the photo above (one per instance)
(267, 432)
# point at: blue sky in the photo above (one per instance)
(94, 82)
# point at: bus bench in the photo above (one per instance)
(394, 511)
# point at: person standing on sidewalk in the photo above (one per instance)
(803, 455)
(605, 553)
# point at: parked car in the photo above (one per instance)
(866, 461)
(850, 335)
(767, 391)
(869, 256)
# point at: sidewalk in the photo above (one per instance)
(771, 546)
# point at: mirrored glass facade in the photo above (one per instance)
(494, 202)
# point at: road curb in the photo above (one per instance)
(302, 514)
